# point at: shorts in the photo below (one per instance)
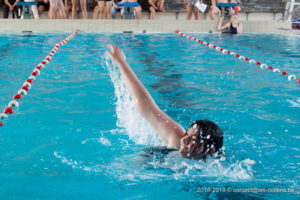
(191, 2)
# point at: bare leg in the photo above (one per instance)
(152, 12)
(58, 15)
(196, 13)
(53, 8)
(62, 9)
(108, 9)
(96, 12)
(101, 9)
(138, 11)
(161, 6)
(213, 11)
(66, 8)
(83, 9)
(74, 9)
(188, 12)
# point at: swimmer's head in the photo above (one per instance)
(234, 18)
(202, 138)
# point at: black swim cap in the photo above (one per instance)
(210, 134)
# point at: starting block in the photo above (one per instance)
(225, 8)
(127, 11)
(26, 12)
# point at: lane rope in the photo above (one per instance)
(14, 103)
(290, 77)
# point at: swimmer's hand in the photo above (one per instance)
(116, 53)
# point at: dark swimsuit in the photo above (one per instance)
(233, 30)
(157, 153)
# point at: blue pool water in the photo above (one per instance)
(77, 135)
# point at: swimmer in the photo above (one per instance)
(234, 26)
(203, 138)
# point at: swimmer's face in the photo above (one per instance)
(234, 18)
(191, 146)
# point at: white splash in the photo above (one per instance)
(183, 168)
(78, 164)
(295, 103)
(137, 128)
(103, 140)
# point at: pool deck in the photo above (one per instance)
(136, 26)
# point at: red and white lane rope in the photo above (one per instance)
(243, 58)
(29, 81)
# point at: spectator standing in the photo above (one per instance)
(156, 5)
(57, 6)
(10, 6)
(105, 8)
(82, 6)
(190, 7)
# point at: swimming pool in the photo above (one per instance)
(76, 134)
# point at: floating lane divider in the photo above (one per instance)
(236, 55)
(29, 81)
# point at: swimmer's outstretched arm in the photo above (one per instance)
(169, 130)
(220, 24)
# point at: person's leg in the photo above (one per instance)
(108, 5)
(188, 12)
(5, 11)
(61, 9)
(53, 8)
(74, 9)
(101, 9)
(213, 12)
(196, 13)
(138, 12)
(67, 8)
(83, 9)
(96, 12)
(152, 12)
(161, 6)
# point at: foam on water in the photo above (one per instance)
(294, 103)
(174, 167)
